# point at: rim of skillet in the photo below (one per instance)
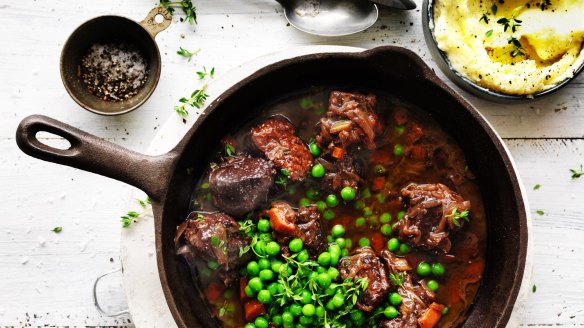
(466, 83)
(427, 74)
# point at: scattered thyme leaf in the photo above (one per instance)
(577, 174)
(133, 216)
(229, 150)
(534, 289)
(489, 33)
(540, 212)
(187, 7)
(187, 54)
(494, 9)
(397, 279)
(456, 216)
(484, 18)
(536, 187)
(57, 229)
(517, 47)
(544, 4)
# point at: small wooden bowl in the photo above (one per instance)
(108, 28)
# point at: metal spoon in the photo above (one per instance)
(336, 17)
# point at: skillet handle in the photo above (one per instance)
(90, 153)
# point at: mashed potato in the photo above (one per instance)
(547, 48)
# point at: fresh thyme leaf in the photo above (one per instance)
(397, 279)
(285, 172)
(197, 100)
(229, 150)
(57, 229)
(539, 212)
(133, 216)
(576, 174)
(536, 187)
(187, 54)
(512, 24)
(203, 74)
(456, 216)
(533, 289)
(212, 73)
(187, 7)
(282, 180)
(200, 217)
(517, 47)
(494, 9)
(215, 241)
(484, 18)
(489, 33)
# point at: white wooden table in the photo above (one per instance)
(46, 278)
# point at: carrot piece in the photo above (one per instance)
(242, 284)
(213, 292)
(378, 183)
(280, 222)
(338, 153)
(474, 271)
(418, 153)
(431, 317)
(380, 157)
(253, 309)
(377, 241)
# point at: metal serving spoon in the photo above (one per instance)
(336, 17)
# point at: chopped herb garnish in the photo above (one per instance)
(576, 174)
(397, 279)
(489, 33)
(517, 47)
(494, 9)
(533, 289)
(197, 100)
(282, 180)
(229, 150)
(285, 172)
(512, 23)
(536, 187)
(203, 74)
(133, 216)
(57, 229)
(456, 216)
(187, 54)
(186, 6)
(540, 212)
(484, 18)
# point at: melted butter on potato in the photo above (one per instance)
(551, 40)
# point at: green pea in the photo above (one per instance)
(386, 229)
(273, 248)
(304, 202)
(380, 198)
(248, 291)
(303, 256)
(395, 299)
(338, 300)
(398, 150)
(359, 205)
(261, 322)
(433, 285)
(348, 243)
(296, 309)
(438, 269)
(249, 325)
(390, 312)
(265, 236)
(308, 310)
(328, 215)
(393, 244)
(356, 315)
(385, 218)
(275, 265)
(273, 288)
(263, 225)
(312, 194)
(314, 150)
(400, 215)
(445, 310)
(373, 220)
(320, 269)
(330, 305)
(295, 245)
(404, 248)
(360, 222)
(260, 247)
(253, 268)
(348, 193)
(341, 242)
(324, 280)
(277, 320)
(333, 273)
(264, 264)
(264, 296)
(266, 275)
(304, 321)
(305, 297)
(344, 252)
(255, 284)
(338, 230)
(334, 249)
(332, 200)
(367, 211)
(329, 292)
(317, 171)
(364, 242)
(320, 311)
(321, 206)
(324, 258)
(287, 317)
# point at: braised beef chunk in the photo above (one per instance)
(433, 211)
(304, 224)
(345, 172)
(216, 237)
(365, 264)
(277, 139)
(350, 120)
(241, 184)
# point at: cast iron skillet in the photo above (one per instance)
(392, 69)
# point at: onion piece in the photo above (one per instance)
(179, 232)
(341, 126)
(401, 264)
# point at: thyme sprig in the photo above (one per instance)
(187, 7)
(133, 216)
(512, 24)
(576, 174)
(456, 216)
(203, 74)
(187, 54)
(517, 47)
(196, 100)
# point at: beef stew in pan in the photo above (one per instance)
(337, 208)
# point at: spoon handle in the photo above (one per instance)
(397, 4)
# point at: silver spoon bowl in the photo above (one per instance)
(335, 17)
